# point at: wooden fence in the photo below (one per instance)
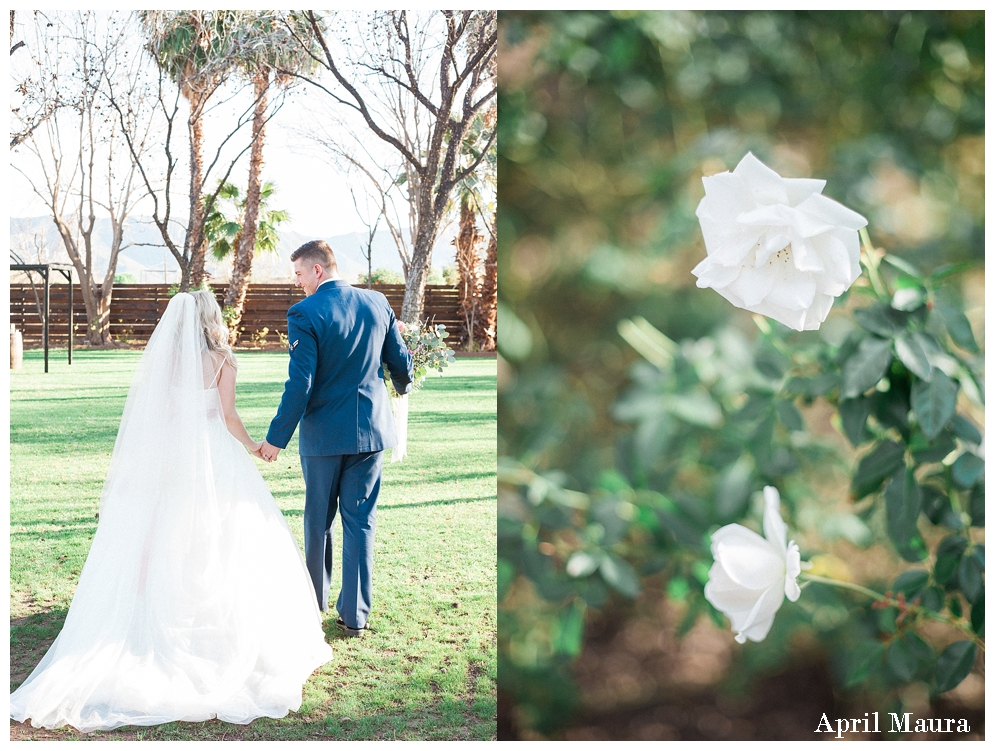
(136, 309)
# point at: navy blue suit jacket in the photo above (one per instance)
(338, 338)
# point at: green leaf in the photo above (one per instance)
(902, 660)
(924, 451)
(932, 599)
(977, 505)
(968, 469)
(903, 502)
(582, 563)
(964, 428)
(936, 506)
(912, 356)
(860, 662)
(910, 583)
(958, 326)
(570, 637)
(732, 491)
(908, 298)
(853, 415)
(690, 618)
(954, 664)
(948, 555)
(971, 575)
(934, 402)
(620, 576)
(904, 266)
(866, 366)
(789, 416)
(875, 467)
(881, 320)
(978, 616)
(505, 575)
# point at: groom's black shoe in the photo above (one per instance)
(350, 631)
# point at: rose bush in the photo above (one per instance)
(775, 245)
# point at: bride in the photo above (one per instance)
(194, 601)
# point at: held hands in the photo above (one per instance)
(267, 452)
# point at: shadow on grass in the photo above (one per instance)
(30, 637)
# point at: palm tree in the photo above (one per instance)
(225, 227)
(270, 48)
(193, 48)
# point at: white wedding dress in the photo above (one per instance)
(194, 601)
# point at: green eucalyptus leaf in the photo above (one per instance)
(954, 664)
(903, 502)
(865, 367)
(912, 356)
(879, 464)
(958, 327)
(853, 416)
(968, 469)
(934, 402)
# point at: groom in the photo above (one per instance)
(339, 335)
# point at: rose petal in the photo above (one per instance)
(800, 188)
(795, 293)
(831, 212)
(765, 185)
(775, 530)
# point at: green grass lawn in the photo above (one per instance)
(427, 670)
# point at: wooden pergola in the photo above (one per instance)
(46, 269)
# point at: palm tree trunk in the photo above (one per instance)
(245, 249)
(468, 263)
(487, 320)
(196, 241)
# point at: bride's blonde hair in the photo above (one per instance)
(215, 331)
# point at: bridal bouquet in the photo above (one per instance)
(428, 349)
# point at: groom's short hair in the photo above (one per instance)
(317, 251)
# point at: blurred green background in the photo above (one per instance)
(607, 122)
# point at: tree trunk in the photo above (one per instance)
(195, 240)
(486, 333)
(421, 259)
(245, 249)
(468, 263)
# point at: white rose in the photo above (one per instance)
(776, 245)
(751, 575)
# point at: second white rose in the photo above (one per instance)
(777, 246)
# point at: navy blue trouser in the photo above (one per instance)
(350, 483)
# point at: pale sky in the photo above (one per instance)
(308, 186)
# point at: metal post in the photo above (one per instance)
(45, 312)
(69, 276)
